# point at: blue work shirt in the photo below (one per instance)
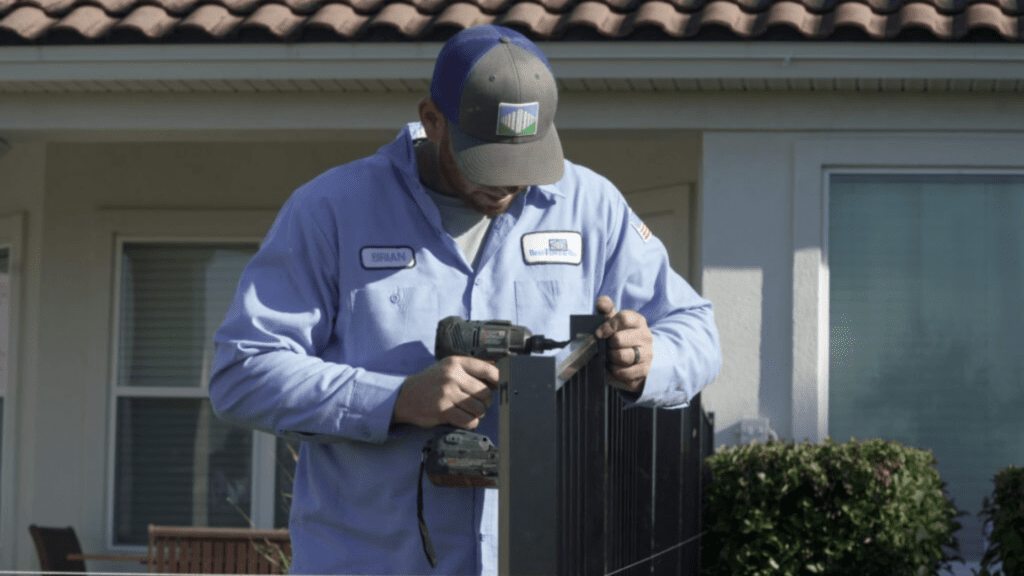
(341, 303)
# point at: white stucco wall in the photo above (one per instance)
(747, 258)
(764, 251)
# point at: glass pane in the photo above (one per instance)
(926, 274)
(284, 479)
(5, 314)
(173, 299)
(177, 464)
(5, 332)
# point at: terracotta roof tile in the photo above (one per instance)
(212, 20)
(534, 17)
(277, 19)
(240, 7)
(149, 21)
(99, 21)
(402, 18)
(338, 19)
(174, 7)
(114, 7)
(89, 22)
(51, 7)
(27, 22)
(374, 6)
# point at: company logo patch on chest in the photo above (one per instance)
(553, 248)
(387, 257)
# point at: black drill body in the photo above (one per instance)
(487, 340)
(459, 457)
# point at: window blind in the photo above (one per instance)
(175, 463)
(5, 335)
(173, 299)
(178, 465)
(5, 316)
(926, 273)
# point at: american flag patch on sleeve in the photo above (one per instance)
(642, 230)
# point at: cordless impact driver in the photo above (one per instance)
(455, 457)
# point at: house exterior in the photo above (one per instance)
(843, 180)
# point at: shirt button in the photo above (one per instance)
(394, 298)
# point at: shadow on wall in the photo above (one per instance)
(746, 431)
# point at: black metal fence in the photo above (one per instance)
(588, 484)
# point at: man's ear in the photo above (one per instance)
(433, 121)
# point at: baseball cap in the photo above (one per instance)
(497, 92)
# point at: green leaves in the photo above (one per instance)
(865, 508)
(1003, 511)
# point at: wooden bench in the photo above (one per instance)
(196, 550)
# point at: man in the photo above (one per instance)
(472, 212)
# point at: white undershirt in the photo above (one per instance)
(465, 224)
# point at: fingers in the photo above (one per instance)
(630, 345)
(481, 370)
(624, 320)
(466, 413)
(457, 390)
(626, 356)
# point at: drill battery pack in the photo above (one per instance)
(460, 458)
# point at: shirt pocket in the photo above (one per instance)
(544, 306)
(392, 328)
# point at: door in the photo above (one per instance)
(667, 212)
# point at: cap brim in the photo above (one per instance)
(508, 164)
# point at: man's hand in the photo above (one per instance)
(630, 345)
(456, 391)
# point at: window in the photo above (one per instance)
(174, 462)
(926, 273)
(5, 336)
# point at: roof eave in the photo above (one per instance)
(581, 66)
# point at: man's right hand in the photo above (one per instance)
(456, 391)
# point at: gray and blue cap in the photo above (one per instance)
(496, 90)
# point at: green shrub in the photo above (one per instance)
(1004, 512)
(864, 508)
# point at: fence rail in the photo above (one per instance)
(590, 485)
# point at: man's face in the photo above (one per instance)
(489, 200)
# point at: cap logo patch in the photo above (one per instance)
(518, 119)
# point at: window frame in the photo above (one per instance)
(11, 230)
(815, 160)
(187, 227)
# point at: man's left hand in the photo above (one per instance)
(630, 345)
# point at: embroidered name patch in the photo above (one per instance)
(387, 257)
(553, 248)
(518, 119)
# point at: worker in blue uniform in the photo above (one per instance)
(473, 212)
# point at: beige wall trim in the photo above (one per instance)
(134, 117)
(11, 237)
(404, 67)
